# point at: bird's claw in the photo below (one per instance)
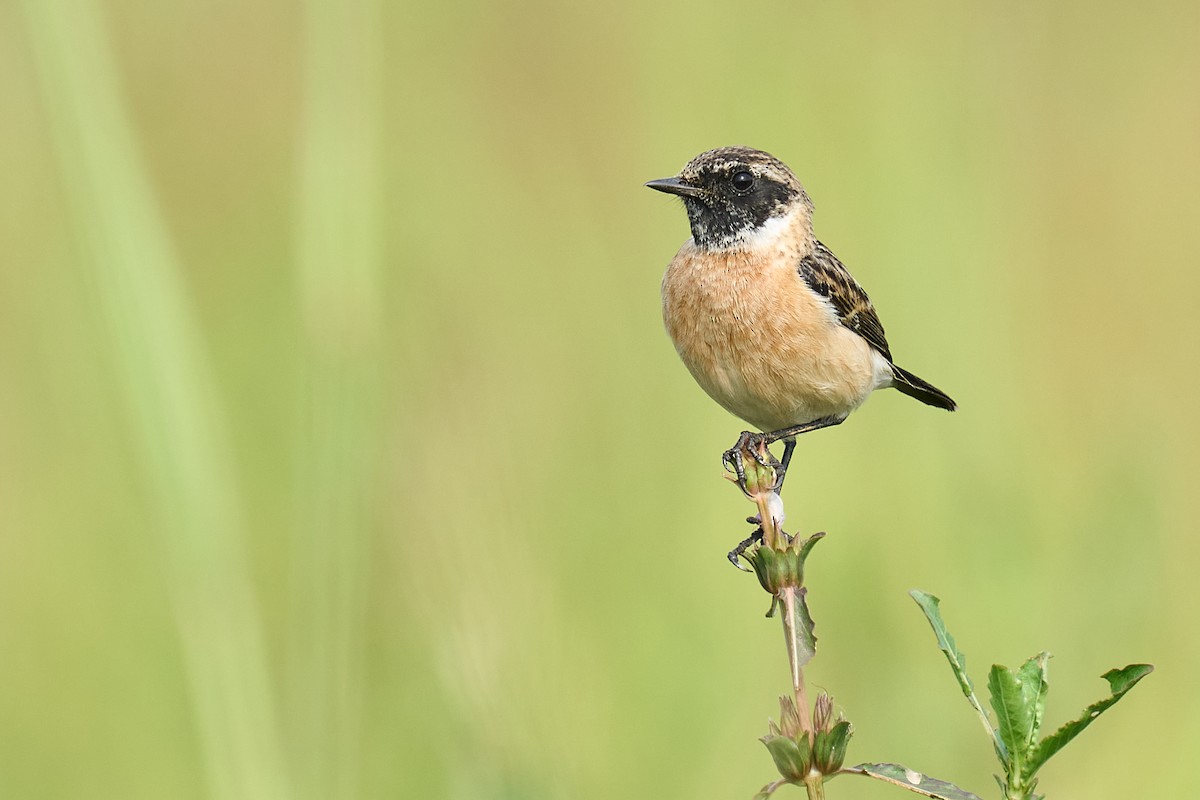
(736, 552)
(756, 445)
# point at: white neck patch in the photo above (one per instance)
(764, 235)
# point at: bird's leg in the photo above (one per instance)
(789, 436)
(750, 441)
(796, 430)
(736, 552)
(789, 445)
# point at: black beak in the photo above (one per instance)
(676, 186)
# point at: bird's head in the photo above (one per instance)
(733, 194)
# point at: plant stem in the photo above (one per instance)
(802, 701)
(771, 533)
(771, 538)
(815, 785)
(789, 598)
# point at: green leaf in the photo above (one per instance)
(1019, 702)
(898, 775)
(1014, 716)
(1035, 684)
(958, 662)
(1120, 681)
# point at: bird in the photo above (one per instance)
(765, 317)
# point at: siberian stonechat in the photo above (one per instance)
(765, 317)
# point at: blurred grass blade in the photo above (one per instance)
(181, 438)
(338, 247)
(1120, 681)
(958, 662)
(906, 778)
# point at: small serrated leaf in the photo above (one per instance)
(1035, 684)
(958, 662)
(902, 776)
(1120, 681)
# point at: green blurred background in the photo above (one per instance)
(342, 453)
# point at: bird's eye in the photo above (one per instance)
(742, 181)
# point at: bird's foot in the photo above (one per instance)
(743, 545)
(754, 444)
(780, 471)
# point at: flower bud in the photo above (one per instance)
(760, 479)
(757, 468)
(830, 737)
(829, 747)
(823, 712)
(792, 756)
(783, 567)
(789, 717)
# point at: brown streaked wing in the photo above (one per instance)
(826, 276)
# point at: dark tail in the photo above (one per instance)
(927, 393)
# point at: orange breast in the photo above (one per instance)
(759, 341)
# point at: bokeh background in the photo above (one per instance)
(342, 453)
